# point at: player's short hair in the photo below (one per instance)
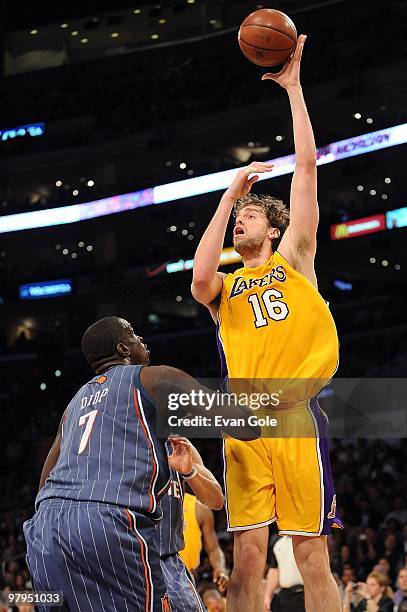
(101, 338)
(275, 210)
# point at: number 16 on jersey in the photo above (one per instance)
(275, 308)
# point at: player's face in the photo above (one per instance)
(140, 355)
(251, 230)
(138, 351)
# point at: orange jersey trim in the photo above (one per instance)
(140, 418)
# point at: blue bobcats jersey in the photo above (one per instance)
(109, 449)
(169, 533)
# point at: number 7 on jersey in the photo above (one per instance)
(89, 419)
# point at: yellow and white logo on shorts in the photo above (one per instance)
(332, 512)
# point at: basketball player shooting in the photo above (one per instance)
(273, 323)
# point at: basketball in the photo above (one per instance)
(267, 37)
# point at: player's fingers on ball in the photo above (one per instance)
(300, 46)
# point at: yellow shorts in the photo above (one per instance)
(285, 479)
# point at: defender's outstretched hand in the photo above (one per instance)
(181, 458)
(289, 75)
(242, 184)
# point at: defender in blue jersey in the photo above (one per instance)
(185, 465)
(92, 536)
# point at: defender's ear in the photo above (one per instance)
(122, 349)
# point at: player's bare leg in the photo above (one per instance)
(249, 560)
(320, 589)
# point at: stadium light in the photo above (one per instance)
(188, 188)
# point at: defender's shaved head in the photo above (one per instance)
(100, 340)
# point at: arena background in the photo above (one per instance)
(110, 98)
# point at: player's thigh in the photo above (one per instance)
(305, 495)
(40, 558)
(249, 483)
(182, 593)
(132, 564)
(101, 557)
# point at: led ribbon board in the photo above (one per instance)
(188, 188)
(31, 129)
(358, 227)
(46, 289)
(392, 219)
(396, 218)
(228, 256)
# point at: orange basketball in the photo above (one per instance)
(267, 37)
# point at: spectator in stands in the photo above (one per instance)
(393, 553)
(345, 554)
(9, 579)
(372, 596)
(400, 597)
(370, 517)
(213, 601)
(13, 567)
(399, 512)
(5, 607)
(348, 576)
(383, 567)
(20, 582)
(405, 539)
(366, 551)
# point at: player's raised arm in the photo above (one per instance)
(206, 280)
(298, 244)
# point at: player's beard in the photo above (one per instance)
(249, 247)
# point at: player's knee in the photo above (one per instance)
(312, 565)
(250, 560)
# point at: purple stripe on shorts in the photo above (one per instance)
(331, 519)
(223, 366)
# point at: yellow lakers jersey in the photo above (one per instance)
(191, 553)
(274, 324)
